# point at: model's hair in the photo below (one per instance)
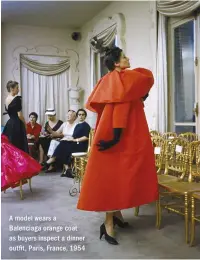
(11, 85)
(83, 110)
(34, 114)
(112, 56)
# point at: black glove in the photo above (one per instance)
(104, 145)
(145, 97)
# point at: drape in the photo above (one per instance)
(177, 8)
(161, 76)
(103, 39)
(46, 69)
(40, 92)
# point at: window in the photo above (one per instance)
(182, 75)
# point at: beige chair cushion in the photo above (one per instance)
(79, 154)
(166, 178)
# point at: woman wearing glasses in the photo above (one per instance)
(78, 143)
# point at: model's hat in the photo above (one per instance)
(50, 112)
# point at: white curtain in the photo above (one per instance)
(40, 92)
(161, 76)
(177, 8)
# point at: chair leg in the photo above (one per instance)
(186, 217)
(158, 213)
(192, 235)
(137, 211)
(29, 182)
(21, 191)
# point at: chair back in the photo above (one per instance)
(154, 133)
(159, 151)
(169, 135)
(177, 150)
(189, 136)
(194, 161)
(91, 137)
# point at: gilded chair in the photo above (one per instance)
(154, 133)
(194, 163)
(195, 198)
(195, 214)
(175, 196)
(191, 137)
(163, 152)
(159, 151)
(169, 135)
(20, 184)
(80, 161)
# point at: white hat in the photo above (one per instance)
(50, 112)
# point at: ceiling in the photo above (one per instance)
(57, 14)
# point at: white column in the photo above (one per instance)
(74, 98)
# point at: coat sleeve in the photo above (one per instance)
(137, 82)
(121, 115)
(145, 82)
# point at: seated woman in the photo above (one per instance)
(65, 132)
(45, 138)
(78, 143)
(33, 130)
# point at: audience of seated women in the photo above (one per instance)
(77, 143)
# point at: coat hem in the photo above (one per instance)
(124, 208)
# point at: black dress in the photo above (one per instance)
(64, 150)
(45, 141)
(14, 128)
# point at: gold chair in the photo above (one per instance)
(189, 136)
(176, 196)
(194, 163)
(162, 150)
(154, 133)
(80, 161)
(195, 214)
(169, 135)
(195, 198)
(159, 151)
(20, 184)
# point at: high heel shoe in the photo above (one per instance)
(109, 239)
(47, 167)
(121, 224)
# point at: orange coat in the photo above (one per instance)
(123, 176)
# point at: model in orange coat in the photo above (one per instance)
(120, 172)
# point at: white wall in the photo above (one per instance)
(14, 36)
(140, 45)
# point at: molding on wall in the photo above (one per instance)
(47, 50)
(50, 50)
